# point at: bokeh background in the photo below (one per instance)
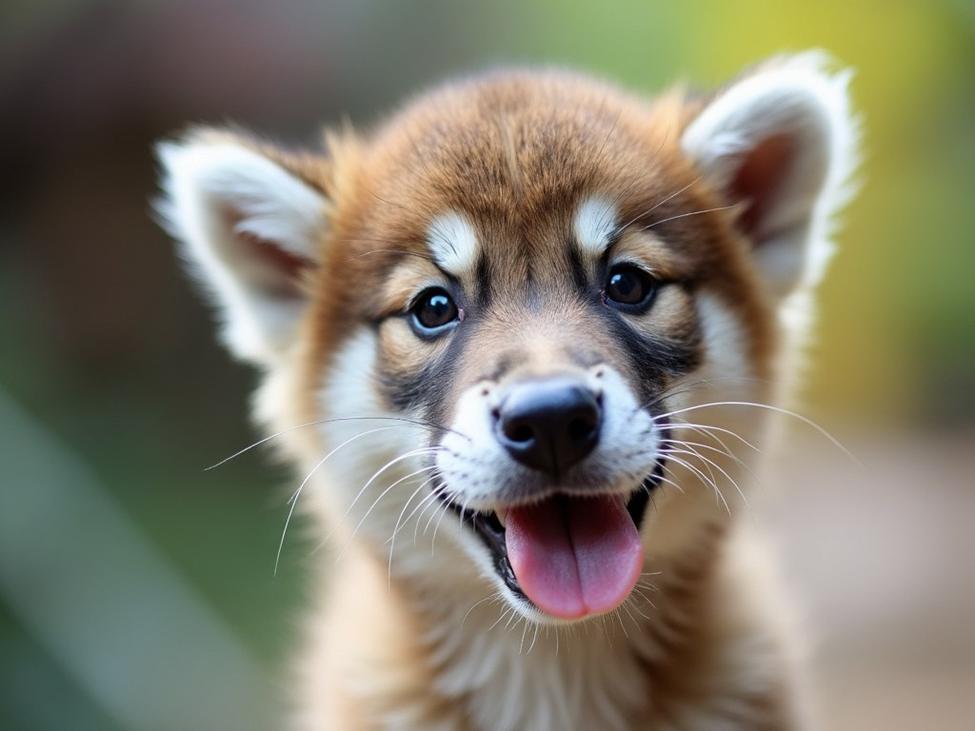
(137, 591)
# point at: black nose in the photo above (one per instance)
(549, 425)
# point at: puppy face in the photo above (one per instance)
(498, 307)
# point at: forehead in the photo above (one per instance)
(453, 238)
(524, 164)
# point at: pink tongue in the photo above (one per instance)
(574, 556)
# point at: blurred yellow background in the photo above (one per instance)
(136, 590)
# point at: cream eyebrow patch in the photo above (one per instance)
(594, 225)
(453, 242)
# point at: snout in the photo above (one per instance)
(549, 425)
(553, 473)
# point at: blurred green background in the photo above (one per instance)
(136, 590)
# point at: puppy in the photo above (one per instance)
(520, 341)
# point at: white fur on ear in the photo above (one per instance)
(783, 141)
(248, 227)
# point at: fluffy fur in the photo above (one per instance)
(516, 193)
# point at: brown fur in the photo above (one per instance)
(516, 154)
(516, 151)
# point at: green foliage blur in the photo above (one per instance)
(106, 347)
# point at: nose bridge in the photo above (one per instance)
(541, 345)
(543, 357)
(548, 417)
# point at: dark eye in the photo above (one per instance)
(629, 286)
(433, 310)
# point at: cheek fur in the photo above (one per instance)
(413, 375)
(725, 345)
(371, 461)
(653, 357)
(350, 405)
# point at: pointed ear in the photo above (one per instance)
(783, 142)
(250, 219)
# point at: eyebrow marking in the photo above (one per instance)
(594, 225)
(453, 243)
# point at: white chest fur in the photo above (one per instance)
(512, 675)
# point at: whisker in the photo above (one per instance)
(705, 428)
(639, 611)
(778, 410)
(431, 504)
(337, 419)
(358, 526)
(619, 618)
(258, 443)
(664, 478)
(513, 621)
(396, 527)
(703, 478)
(648, 586)
(726, 452)
(417, 254)
(433, 541)
(725, 449)
(720, 469)
(630, 607)
(401, 522)
(710, 447)
(534, 637)
(392, 539)
(657, 205)
(689, 387)
(694, 446)
(438, 514)
(686, 215)
(643, 595)
(293, 500)
(671, 451)
(490, 597)
(500, 618)
(401, 480)
(436, 509)
(408, 455)
(384, 492)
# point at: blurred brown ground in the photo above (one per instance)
(881, 563)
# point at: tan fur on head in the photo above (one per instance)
(503, 235)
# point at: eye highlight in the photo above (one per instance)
(433, 312)
(629, 288)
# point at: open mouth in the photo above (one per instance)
(569, 555)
